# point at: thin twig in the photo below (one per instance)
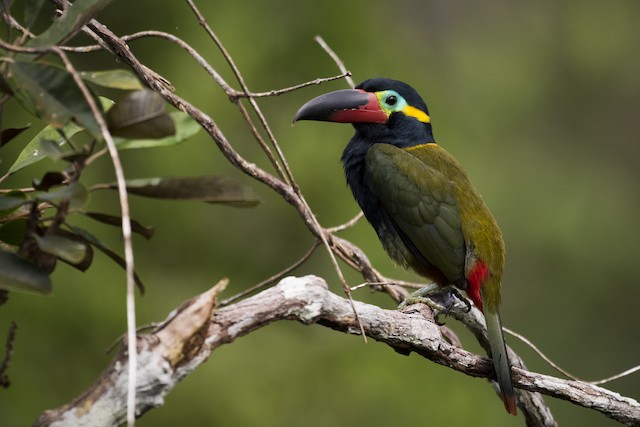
(231, 92)
(273, 278)
(284, 172)
(617, 376)
(326, 237)
(190, 50)
(563, 371)
(336, 59)
(126, 234)
(353, 221)
(278, 92)
(390, 283)
(95, 156)
(10, 20)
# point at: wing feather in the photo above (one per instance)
(421, 202)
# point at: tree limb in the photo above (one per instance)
(193, 331)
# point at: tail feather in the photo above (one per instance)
(500, 360)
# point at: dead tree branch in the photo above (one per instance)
(193, 331)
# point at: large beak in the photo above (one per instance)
(343, 106)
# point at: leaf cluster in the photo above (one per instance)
(37, 228)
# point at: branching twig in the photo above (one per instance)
(336, 59)
(231, 92)
(278, 92)
(126, 233)
(284, 172)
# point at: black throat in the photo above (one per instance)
(401, 131)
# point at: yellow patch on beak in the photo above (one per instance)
(418, 114)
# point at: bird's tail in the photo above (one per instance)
(500, 359)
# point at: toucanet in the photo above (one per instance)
(420, 201)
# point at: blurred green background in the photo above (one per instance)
(538, 100)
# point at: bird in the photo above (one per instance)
(419, 200)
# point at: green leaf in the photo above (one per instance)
(12, 233)
(51, 149)
(108, 252)
(106, 102)
(136, 227)
(140, 114)
(210, 189)
(8, 134)
(75, 193)
(50, 93)
(88, 258)
(40, 146)
(75, 16)
(185, 126)
(18, 274)
(72, 251)
(11, 201)
(114, 79)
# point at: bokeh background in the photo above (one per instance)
(539, 100)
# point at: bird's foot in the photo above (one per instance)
(461, 298)
(441, 300)
(423, 295)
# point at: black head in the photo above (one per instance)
(381, 110)
(410, 95)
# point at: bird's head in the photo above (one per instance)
(383, 108)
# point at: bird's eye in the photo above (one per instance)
(391, 100)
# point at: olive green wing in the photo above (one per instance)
(421, 203)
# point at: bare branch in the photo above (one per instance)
(353, 221)
(231, 92)
(126, 228)
(284, 172)
(193, 331)
(336, 59)
(616, 376)
(564, 372)
(273, 278)
(279, 92)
